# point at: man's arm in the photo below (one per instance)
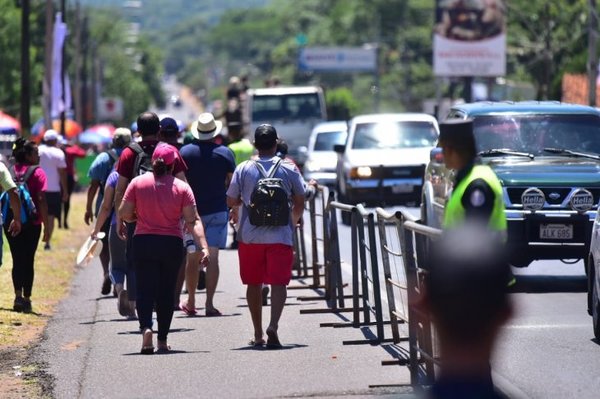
(15, 204)
(297, 208)
(91, 194)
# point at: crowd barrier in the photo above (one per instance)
(388, 246)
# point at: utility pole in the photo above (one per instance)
(47, 86)
(63, 8)
(592, 65)
(25, 69)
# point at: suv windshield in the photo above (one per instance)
(532, 133)
(394, 135)
(289, 106)
(326, 140)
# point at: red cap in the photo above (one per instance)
(167, 152)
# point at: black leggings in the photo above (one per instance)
(156, 259)
(67, 203)
(22, 249)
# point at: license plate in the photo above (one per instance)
(402, 188)
(556, 231)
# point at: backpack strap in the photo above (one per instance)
(136, 148)
(271, 172)
(139, 156)
(113, 155)
(25, 176)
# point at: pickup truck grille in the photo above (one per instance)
(554, 195)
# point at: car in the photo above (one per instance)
(547, 158)
(384, 158)
(175, 100)
(321, 159)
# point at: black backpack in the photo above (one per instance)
(29, 211)
(269, 202)
(143, 161)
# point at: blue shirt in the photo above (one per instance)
(242, 185)
(208, 166)
(99, 171)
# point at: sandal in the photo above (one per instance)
(256, 343)
(147, 349)
(186, 310)
(213, 312)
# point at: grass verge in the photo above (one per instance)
(19, 331)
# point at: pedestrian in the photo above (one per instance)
(24, 245)
(52, 161)
(119, 271)
(265, 251)
(210, 167)
(466, 296)
(477, 196)
(72, 151)
(156, 201)
(134, 161)
(99, 170)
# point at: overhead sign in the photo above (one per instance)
(470, 38)
(110, 109)
(338, 59)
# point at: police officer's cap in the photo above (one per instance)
(457, 132)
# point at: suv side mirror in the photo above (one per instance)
(339, 148)
(436, 155)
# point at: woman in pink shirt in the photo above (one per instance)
(157, 201)
(24, 245)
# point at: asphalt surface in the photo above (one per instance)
(92, 352)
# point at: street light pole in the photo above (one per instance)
(25, 69)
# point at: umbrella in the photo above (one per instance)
(89, 137)
(8, 124)
(104, 129)
(72, 128)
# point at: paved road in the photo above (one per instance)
(92, 352)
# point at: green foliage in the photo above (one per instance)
(341, 104)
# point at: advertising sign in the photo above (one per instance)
(336, 59)
(469, 38)
(110, 109)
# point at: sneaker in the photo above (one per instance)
(18, 304)
(265, 294)
(47, 246)
(123, 303)
(26, 305)
(106, 286)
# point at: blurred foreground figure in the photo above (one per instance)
(466, 296)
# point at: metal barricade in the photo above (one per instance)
(408, 240)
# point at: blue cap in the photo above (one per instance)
(169, 125)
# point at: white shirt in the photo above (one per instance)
(51, 160)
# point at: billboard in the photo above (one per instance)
(469, 38)
(338, 59)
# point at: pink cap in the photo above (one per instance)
(167, 152)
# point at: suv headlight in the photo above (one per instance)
(581, 200)
(533, 199)
(361, 172)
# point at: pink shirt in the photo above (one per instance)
(159, 203)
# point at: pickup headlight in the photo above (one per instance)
(361, 172)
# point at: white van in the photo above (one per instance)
(293, 111)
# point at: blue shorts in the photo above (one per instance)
(215, 229)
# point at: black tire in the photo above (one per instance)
(595, 310)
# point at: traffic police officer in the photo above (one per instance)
(477, 194)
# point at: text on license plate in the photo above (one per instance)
(556, 231)
(402, 188)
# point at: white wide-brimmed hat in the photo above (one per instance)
(206, 127)
(91, 247)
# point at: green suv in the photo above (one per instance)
(547, 157)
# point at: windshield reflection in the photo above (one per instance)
(393, 135)
(533, 133)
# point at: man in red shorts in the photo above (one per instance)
(265, 252)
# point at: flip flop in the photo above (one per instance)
(163, 349)
(213, 313)
(256, 343)
(186, 310)
(147, 350)
(273, 340)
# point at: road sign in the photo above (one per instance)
(110, 109)
(350, 59)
